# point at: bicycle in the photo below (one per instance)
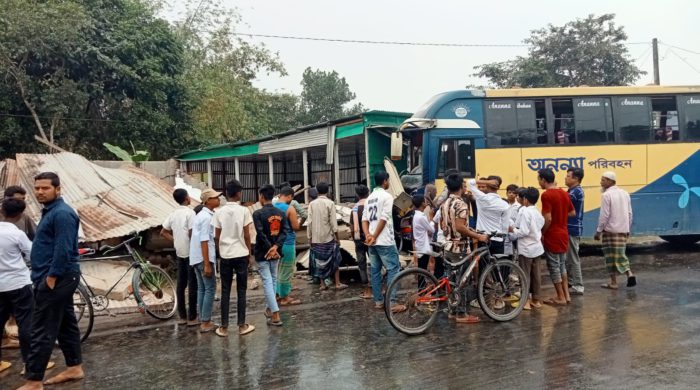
(502, 290)
(152, 287)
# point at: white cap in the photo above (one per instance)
(610, 175)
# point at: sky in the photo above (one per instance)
(402, 78)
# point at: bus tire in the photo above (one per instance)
(684, 240)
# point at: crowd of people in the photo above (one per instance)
(461, 217)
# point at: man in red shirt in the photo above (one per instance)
(556, 209)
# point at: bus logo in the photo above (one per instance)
(685, 196)
(461, 112)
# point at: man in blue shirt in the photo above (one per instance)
(574, 176)
(55, 275)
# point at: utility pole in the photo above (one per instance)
(655, 55)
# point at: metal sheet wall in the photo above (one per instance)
(222, 172)
(289, 168)
(352, 169)
(319, 171)
(254, 173)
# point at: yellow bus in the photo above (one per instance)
(650, 136)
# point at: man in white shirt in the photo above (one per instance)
(177, 228)
(378, 225)
(16, 295)
(203, 258)
(614, 225)
(423, 232)
(232, 231)
(528, 231)
(491, 211)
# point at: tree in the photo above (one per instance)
(84, 71)
(588, 51)
(220, 70)
(324, 97)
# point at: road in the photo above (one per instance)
(646, 337)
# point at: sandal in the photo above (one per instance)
(249, 328)
(632, 281)
(341, 286)
(366, 295)
(609, 286)
(268, 313)
(553, 302)
(468, 319)
(274, 323)
(290, 302)
(398, 308)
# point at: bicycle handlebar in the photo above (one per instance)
(107, 248)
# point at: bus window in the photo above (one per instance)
(541, 122)
(632, 118)
(593, 120)
(664, 118)
(564, 129)
(456, 154)
(526, 116)
(501, 123)
(691, 116)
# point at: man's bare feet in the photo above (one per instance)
(32, 385)
(70, 374)
(555, 302)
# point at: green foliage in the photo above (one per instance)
(137, 156)
(79, 73)
(324, 96)
(588, 51)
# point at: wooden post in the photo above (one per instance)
(305, 164)
(271, 169)
(237, 168)
(336, 173)
(210, 175)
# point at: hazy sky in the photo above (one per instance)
(401, 78)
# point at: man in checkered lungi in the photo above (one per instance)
(614, 228)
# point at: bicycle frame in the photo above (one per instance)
(444, 282)
(134, 265)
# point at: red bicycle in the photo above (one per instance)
(501, 290)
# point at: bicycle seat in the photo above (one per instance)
(501, 257)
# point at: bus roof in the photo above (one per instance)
(591, 91)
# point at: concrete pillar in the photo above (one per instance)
(336, 173)
(305, 165)
(210, 175)
(237, 168)
(271, 169)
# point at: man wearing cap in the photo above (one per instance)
(203, 258)
(614, 227)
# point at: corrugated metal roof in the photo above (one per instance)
(111, 202)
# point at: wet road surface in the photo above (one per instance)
(647, 337)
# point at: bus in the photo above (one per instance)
(648, 135)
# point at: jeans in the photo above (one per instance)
(54, 319)
(228, 267)
(361, 255)
(556, 263)
(206, 287)
(18, 303)
(186, 277)
(268, 273)
(387, 256)
(573, 265)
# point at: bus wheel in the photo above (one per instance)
(685, 240)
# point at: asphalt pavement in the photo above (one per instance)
(647, 337)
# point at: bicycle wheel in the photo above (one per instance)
(154, 290)
(83, 311)
(503, 290)
(417, 289)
